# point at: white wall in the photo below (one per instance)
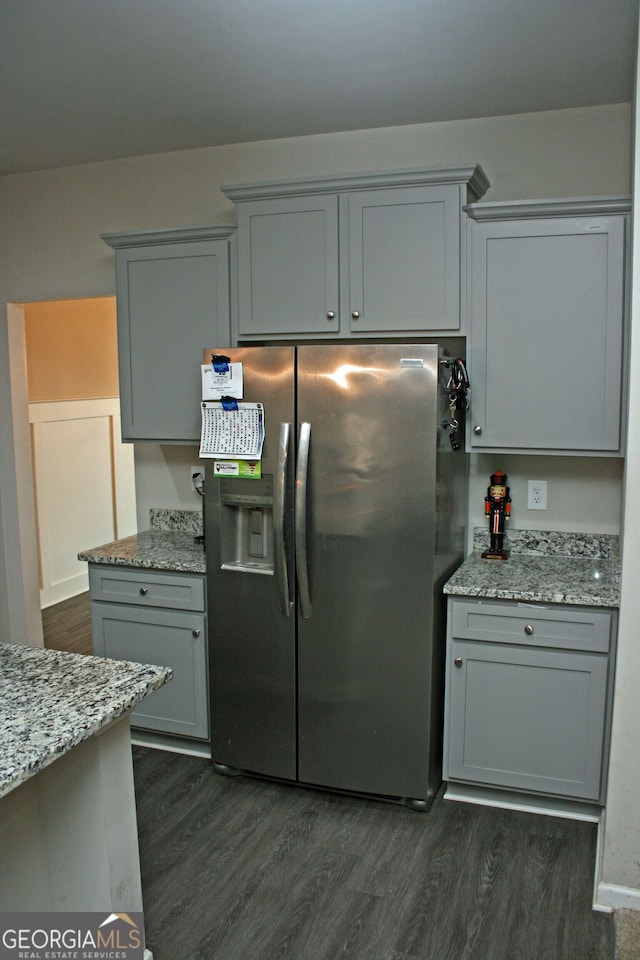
(620, 863)
(50, 248)
(20, 618)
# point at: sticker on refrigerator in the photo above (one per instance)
(243, 469)
(232, 430)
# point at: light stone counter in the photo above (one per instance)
(169, 545)
(51, 701)
(544, 567)
(67, 800)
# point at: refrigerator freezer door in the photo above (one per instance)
(252, 658)
(365, 653)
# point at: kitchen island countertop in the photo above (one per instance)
(576, 570)
(51, 701)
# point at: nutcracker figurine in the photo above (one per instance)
(497, 507)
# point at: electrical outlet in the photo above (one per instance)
(536, 494)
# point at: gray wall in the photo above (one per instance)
(619, 862)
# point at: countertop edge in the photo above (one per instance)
(167, 566)
(542, 597)
(141, 681)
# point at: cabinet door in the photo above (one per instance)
(404, 260)
(175, 640)
(288, 267)
(523, 718)
(173, 300)
(546, 334)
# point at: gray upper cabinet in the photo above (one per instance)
(369, 255)
(547, 308)
(173, 295)
(288, 267)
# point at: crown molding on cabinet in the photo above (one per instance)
(572, 207)
(146, 238)
(470, 174)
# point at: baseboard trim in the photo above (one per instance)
(530, 803)
(613, 896)
(163, 741)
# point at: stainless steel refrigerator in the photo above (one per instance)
(325, 610)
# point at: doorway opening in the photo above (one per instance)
(83, 475)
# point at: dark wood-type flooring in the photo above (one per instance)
(67, 625)
(241, 869)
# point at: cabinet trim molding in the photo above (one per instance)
(470, 174)
(148, 238)
(573, 207)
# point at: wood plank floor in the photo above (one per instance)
(240, 869)
(67, 625)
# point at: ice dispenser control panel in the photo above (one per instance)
(246, 528)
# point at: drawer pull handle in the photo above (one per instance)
(143, 591)
(528, 630)
(458, 661)
(195, 632)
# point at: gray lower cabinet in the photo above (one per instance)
(173, 298)
(547, 326)
(366, 255)
(153, 617)
(527, 699)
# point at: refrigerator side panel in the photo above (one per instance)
(365, 654)
(252, 657)
(451, 504)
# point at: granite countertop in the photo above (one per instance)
(169, 545)
(52, 700)
(576, 569)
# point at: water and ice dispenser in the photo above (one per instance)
(246, 525)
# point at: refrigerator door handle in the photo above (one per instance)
(279, 494)
(301, 520)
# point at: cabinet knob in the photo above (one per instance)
(477, 429)
(330, 314)
(458, 661)
(528, 630)
(195, 632)
(143, 591)
(355, 314)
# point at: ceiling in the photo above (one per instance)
(90, 80)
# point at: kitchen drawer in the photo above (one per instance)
(569, 628)
(146, 588)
